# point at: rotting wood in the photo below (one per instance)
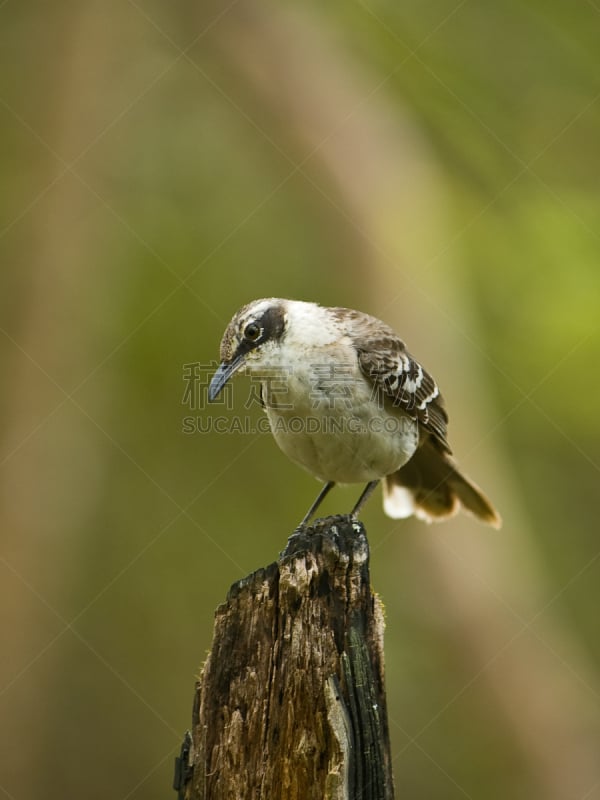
(290, 704)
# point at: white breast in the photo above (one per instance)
(325, 417)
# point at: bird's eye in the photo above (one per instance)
(252, 332)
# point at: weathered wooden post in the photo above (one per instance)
(290, 704)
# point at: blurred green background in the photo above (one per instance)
(436, 165)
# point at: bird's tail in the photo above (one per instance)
(431, 487)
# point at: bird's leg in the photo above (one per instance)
(366, 493)
(321, 496)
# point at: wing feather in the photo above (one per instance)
(385, 361)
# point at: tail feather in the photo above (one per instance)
(431, 487)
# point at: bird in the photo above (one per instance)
(348, 402)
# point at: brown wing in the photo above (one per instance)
(384, 360)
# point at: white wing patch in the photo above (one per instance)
(426, 400)
(412, 384)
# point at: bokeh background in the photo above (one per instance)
(435, 164)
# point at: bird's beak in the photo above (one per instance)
(222, 375)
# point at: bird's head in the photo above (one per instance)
(251, 340)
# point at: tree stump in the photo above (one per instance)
(290, 704)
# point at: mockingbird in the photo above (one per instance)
(347, 402)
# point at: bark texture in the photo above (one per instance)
(291, 700)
